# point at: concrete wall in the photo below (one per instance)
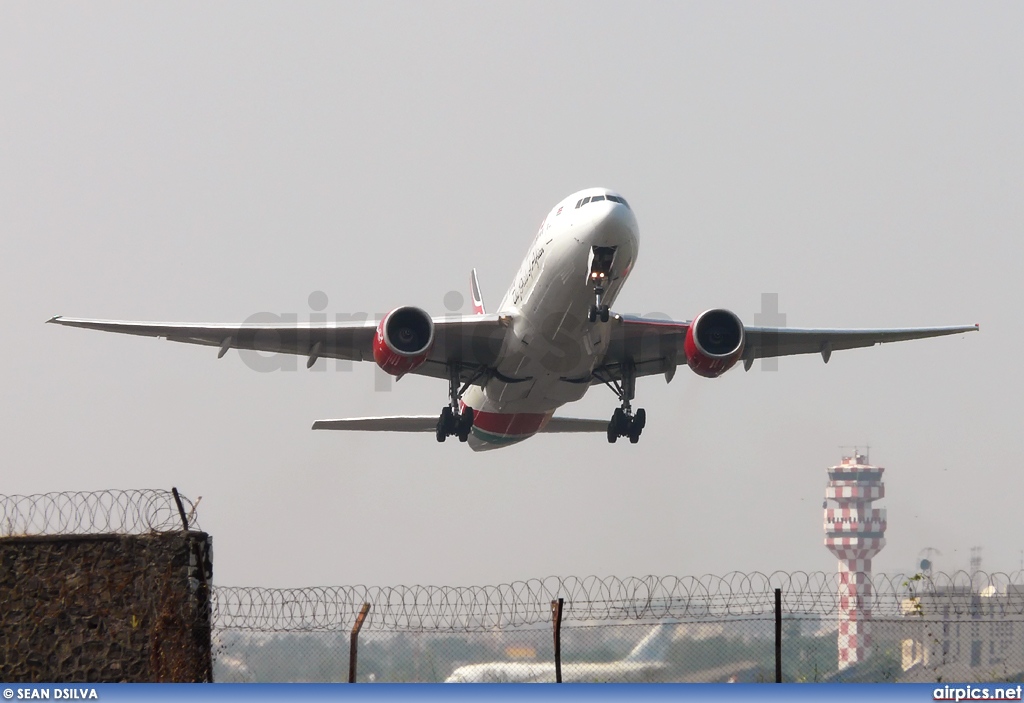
(100, 608)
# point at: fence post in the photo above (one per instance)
(203, 592)
(556, 624)
(181, 508)
(354, 642)
(778, 635)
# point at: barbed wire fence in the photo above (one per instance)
(526, 603)
(958, 626)
(123, 512)
(713, 628)
(104, 586)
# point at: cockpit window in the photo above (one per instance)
(596, 198)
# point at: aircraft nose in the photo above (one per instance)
(613, 221)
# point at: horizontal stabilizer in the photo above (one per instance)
(428, 423)
(575, 424)
(393, 423)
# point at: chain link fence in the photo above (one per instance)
(738, 627)
(935, 627)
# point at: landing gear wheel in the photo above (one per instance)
(445, 423)
(640, 418)
(615, 424)
(625, 424)
(636, 425)
(604, 313)
(465, 424)
(634, 435)
(592, 314)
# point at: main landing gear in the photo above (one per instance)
(625, 422)
(452, 422)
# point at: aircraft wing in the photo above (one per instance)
(472, 340)
(428, 423)
(770, 341)
(656, 346)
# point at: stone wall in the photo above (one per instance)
(99, 608)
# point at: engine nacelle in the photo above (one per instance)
(714, 342)
(403, 341)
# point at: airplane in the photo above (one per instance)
(553, 336)
(646, 659)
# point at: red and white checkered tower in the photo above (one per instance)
(854, 532)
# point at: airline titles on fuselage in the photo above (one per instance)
(527, 274)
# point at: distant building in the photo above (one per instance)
(854, 532)
(961, 633)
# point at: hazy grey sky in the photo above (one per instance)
(207, 161)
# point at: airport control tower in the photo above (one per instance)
(854, 532)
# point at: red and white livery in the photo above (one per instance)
(553, 336)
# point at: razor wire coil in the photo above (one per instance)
(94, 512)
(593, 599)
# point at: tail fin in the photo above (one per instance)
(478, 299)
(654, 646)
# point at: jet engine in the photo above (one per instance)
(714, 342)
(403, 341)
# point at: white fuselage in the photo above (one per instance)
(552, 348)
(544, 672)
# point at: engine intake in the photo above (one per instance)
(403, 341)
(714, 342)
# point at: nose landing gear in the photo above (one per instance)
(601, 259)
(598, 310)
